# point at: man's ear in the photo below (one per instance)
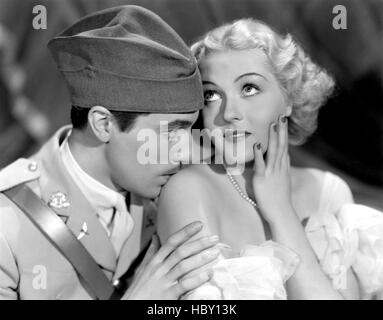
(101, 123)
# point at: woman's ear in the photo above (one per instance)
(289, 109)
(100, 122)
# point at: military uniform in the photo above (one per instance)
(30, 266)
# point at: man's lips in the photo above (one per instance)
(171, 172)
(168, 174)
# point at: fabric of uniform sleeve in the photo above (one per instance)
(9, 276)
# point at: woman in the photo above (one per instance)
(275, 223)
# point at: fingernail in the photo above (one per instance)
(213, 239)
(274, 127)
(195, 225)
(258, 146)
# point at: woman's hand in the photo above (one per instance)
(271, 179)
(163, 274)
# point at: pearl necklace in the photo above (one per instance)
(239, 190)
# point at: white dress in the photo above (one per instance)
(343, 236)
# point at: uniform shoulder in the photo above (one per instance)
(18, 172)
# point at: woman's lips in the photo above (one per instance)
(235, 135)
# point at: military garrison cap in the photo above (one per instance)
(128, 59)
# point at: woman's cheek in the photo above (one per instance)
(208, 119)
(261, 133)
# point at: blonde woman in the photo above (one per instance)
(284, 232)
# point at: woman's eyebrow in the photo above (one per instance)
(209, 82)
(250, 74)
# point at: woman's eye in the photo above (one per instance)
(249, 90)
(210, 96)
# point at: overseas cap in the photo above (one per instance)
(128, 59)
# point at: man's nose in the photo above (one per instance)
(182, 152)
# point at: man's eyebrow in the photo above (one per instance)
(178, 124)
(250, 74)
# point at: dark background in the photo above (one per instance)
(349, 142)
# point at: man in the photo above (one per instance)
(127, 71)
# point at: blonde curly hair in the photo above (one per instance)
(305, 85)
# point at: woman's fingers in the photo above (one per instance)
(288, 163)
(272, 148)
(282, 140)
(259, 163)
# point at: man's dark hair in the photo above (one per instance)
(125, 120)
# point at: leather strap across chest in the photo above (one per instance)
(55, 230)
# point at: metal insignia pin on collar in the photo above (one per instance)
(58, 200)
(83, 232)
(33, 166)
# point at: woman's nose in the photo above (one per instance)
(231, 111)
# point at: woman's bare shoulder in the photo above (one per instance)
(308, 178)
(316, 179)
(315, 190)
(183, 200)
(307, 187)
(191, 180)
